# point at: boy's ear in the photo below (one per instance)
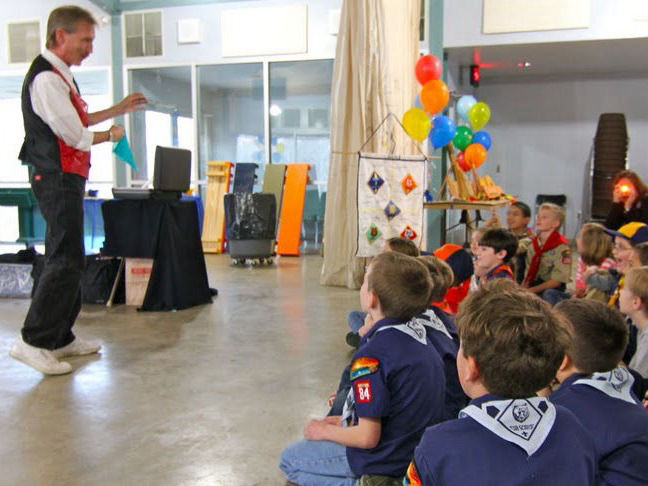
(501, 254)
(473, 373)
(638, 304)
(374, 303)
(566, 364)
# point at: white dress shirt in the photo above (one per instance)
(50, 97)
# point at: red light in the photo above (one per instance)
(475, 75)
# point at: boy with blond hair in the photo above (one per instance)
(599, 392)
(633, 302)
(548, 254)
(512, 344)
(397, 386)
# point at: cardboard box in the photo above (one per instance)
(138, 273)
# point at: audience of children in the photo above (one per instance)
(397, 386)
(512, 344)
(495, 249)
(414, 371)
(633, 302)
(599, 392)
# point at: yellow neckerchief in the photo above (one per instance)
(615, 296)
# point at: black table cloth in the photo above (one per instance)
(168, 232)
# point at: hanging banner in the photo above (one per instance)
(390, 200)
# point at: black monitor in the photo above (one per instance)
(172, 172)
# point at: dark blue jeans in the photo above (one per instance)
(56, 301)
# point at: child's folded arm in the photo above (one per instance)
(365, 435)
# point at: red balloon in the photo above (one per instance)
(428, 68)
(461, 161)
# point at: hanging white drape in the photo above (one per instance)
(377, 49)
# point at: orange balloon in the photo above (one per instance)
(434, 96)
(475, 154)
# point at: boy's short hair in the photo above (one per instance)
(636, 281)
(515, 338)
(524, 207)
(441, 276)
(642, 252)
(599, 335)
(500, 239)
(558, 212)
(66, 18)
(597, 244)
(401, 283)
(404, 246)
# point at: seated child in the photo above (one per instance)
(397, 386)
(547, 255)
(598, 391)
(512, 344)
(496, 248)
(356, 318)
(462, 267)
(442, 333)
(633, 302)
(594, 247)
(517, 220)
(640, 255)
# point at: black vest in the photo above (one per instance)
(41, 145)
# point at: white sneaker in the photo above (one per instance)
(41, 359)
(78, 347)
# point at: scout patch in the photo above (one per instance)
(375, 182)
(408, 233)
(412, 477)
(363, 391)
(391, 210)
(523, 422)
(373, 233)
(565, 257)
(408, 183)
(364, 366)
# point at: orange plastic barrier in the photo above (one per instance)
(292, 209)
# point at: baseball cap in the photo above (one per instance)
(634, 232)
(459, 260)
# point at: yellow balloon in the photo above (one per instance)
(417, 124)
(479, 115)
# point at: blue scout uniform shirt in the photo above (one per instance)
(465, 452)
(442, 334)
(618, 424)
(398, 377)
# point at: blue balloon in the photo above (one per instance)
(417, 102)
(464, 104)
(443, 132)
(483, 138)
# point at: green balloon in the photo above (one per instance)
(463, 138)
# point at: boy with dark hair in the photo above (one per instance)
(402, 245)
(397, 386)
(598, 391)
(512, 344)
(496, 248)
(548, 254)
(442, 333)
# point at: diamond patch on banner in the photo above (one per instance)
(391, 210)
(409, 233)
(373, 233)
(408, 183)
(375, 182)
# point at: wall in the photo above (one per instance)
(609, 20)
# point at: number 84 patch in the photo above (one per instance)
(363, 391)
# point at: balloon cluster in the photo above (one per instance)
(424, 120)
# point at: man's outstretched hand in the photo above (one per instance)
(134, 101)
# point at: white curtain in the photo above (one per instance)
(377, 49)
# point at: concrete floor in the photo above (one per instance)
(205, 396)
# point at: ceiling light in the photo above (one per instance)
(524, 64)
(275, 110)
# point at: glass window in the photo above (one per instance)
(300, 99)
(231, 115)
(167, 119)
